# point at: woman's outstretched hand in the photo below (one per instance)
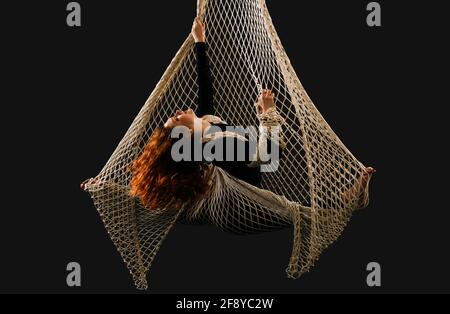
(198, 31)
(265, 101)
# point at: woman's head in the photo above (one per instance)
(185, 118)
(162, 183)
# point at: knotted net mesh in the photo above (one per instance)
(317, 186)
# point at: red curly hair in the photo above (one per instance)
(160, 182)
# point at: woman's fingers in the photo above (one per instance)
(267, 93)
(198, 20)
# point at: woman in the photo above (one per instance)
(160, 182)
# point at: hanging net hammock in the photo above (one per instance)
(307, 190)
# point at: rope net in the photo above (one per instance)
(313, 188)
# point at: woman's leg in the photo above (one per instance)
(244, 173)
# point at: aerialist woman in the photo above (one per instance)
(160, 182)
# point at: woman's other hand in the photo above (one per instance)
(198, 31)
(266, 101)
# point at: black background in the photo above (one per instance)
(71, 95)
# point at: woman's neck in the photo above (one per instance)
(201, 124)
(205, 125)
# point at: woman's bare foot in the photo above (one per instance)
(85, 183)
(359, 190)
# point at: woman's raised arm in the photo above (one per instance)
(204, 80)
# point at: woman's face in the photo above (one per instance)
(182, 118)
